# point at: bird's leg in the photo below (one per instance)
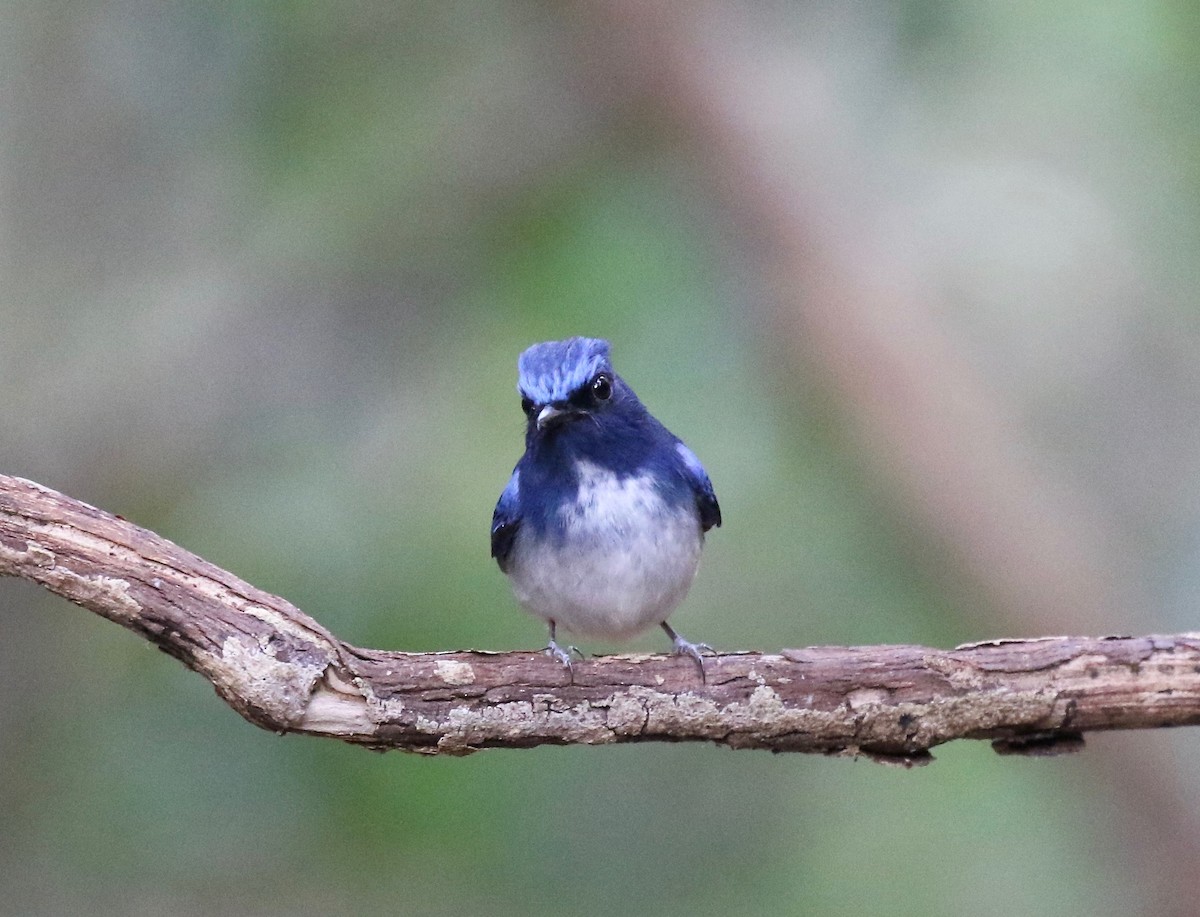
(687, 648)
(554, 651)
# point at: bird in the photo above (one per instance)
(601, 524)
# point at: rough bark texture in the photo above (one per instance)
(283, 671)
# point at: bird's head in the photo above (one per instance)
(562, 382)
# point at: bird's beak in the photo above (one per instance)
(550, 415)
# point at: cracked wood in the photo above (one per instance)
(283, 671)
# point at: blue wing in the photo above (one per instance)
(506, 520)
(706, 497)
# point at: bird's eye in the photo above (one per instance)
(602, 387)
(527, 405)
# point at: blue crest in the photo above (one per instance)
(551, 371)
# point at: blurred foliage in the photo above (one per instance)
(268, 269)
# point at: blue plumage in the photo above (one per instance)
(555, 370)
(601, 525)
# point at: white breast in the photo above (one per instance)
(627, 561)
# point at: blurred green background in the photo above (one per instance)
(266, 272)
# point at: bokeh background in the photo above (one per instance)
(916, 280)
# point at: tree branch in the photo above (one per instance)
(283, 671)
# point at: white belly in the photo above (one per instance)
(627, 561)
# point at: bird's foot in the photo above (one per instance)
(554, 651)
(684, 647)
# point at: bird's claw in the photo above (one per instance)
(684, 647)
(695, 650)
(554, 651)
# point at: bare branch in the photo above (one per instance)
(283, 671)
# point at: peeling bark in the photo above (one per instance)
(283, 671)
